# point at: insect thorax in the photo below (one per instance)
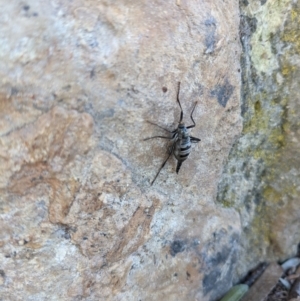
(182, 131)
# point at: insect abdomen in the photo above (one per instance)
(182, 151)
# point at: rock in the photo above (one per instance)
(79, 219)
(2, 277)
(291, 263)
(264, 162)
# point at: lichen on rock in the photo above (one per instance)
(263, 162)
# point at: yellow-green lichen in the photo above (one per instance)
(264, 185)
(260, 228)
(287, 70)
(295, 15)
(291, 33)
(260, 124)
(266, 120)
(272, 195)
(227, 203)
(269, 19)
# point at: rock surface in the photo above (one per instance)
(78, 217)
(264, 162)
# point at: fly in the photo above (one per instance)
(181, 139)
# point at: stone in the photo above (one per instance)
(78, 217)
(264, 163)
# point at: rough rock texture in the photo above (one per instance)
(78, 217)
(264, 163)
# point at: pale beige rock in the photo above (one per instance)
(78, 217)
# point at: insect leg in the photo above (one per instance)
(162, 166)
(181, 112)
(159, 126)
(194, 139)
(174, 136)
(191, 126)
(170, 138)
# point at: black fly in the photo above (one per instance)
(181, 139)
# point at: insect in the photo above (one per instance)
(180, 138)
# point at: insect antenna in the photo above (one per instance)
(194, 124)
(170, 138)
(181, 113)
